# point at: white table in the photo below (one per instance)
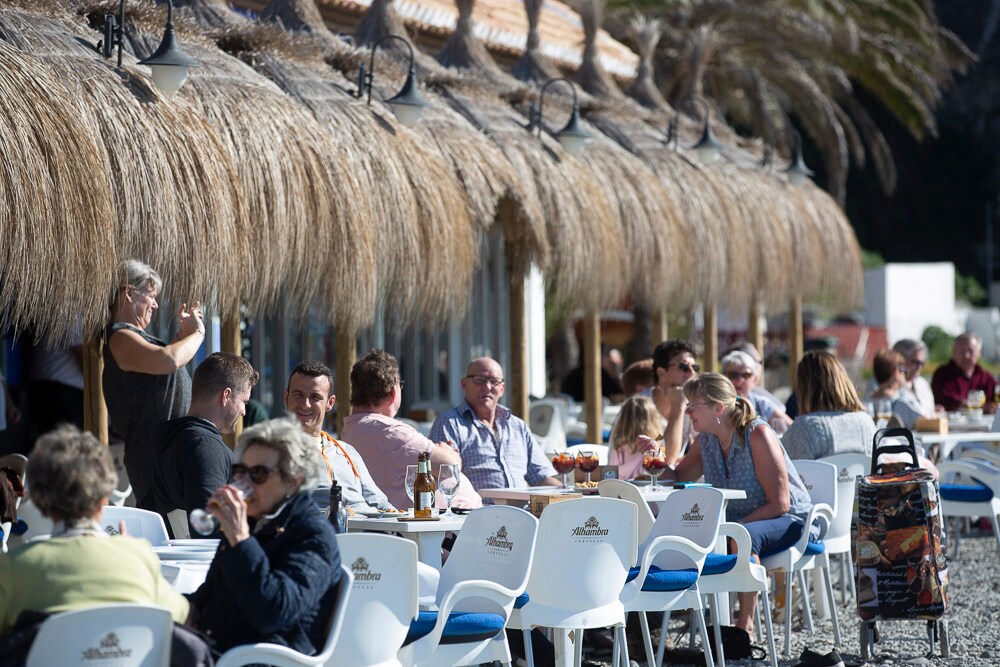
(427, 534)
(948, 441)
(524, 494)
(185, 575)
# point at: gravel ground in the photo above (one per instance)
(973, 620)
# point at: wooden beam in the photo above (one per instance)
(95, 411)
(710, 334)
(796, 343)
(346, 356)
(593, 410)
(517, 385)
(755, 333)
(660, 328)
(232, 341)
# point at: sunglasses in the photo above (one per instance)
(257, 474)
(685, 367)
(482, 380)
(746, 375)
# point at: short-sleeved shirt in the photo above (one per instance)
(388, 446)
(951, 386)
(739, 472)
(503, 457)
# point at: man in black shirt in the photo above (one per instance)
(191, 460)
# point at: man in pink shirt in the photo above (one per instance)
(387, 444)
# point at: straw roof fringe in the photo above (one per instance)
(56, 219)
(459, 51)
(303, 16)
(533, 65)
(211, 13)
(592, 75)
(646, 34)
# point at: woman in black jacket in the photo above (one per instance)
(275, 575)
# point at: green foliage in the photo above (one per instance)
(871, 259)
(939, 343)
(969, 290)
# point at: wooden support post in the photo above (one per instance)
(660, 329)
(710, 334)
(755, 334)
(346, 356)
(232, 341)
(95, 411)
(517, 383)
(593, 410)
(796, 342)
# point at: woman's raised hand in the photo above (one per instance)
(191, 320)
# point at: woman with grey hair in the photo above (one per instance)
(741, 369)
(71, 476)
(275, 575)
(145, 381)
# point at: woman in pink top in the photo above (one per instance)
(638, 426)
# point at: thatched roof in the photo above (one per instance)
(170, 183)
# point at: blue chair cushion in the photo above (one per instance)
(815, 548)
(462, 627)
(966, 493)
(718, 564)
(664, 581)
(521, 600)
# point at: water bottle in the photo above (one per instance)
(336, 514)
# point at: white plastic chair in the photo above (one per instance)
(838, 538)
(977, 452)
(546, 420)
(820, 479)
(670, 562)
(39, 526)
(126, 635)
(481, 581)
(383, 599)
(601, 451)
(617, 488)
(970, 488)
(282, 656)
(584, 551)
(140, 523)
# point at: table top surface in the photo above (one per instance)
(660, 493)
(393, 525)
(935, 438)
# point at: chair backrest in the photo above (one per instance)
(978, 452)
(140, 523)
(496, 543)
(617, 488)
(695, 514)
(600, 450)
(339, 616)
(970, 471)
(584, 550)
(546, 421)
(124, 635)
(38, 524)
(849, 467)
(820, 480)
(383, 597)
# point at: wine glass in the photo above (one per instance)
(411, 479)
(587, 461)
(653, 463)
(564, 463)
(975, 400)
(870, 408)
(202, 520)
(883, 411)
(448, 482)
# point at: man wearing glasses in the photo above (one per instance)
(497, 449)
(673, 365)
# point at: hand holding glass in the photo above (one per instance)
(202, 520)
(448, 482)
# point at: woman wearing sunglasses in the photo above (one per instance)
(741, 369)
(275, 574)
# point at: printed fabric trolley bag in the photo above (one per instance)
(899, 552)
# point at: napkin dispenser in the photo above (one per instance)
(537, 502)
(931, 425)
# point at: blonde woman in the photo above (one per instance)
(736, 449)
(638, 426)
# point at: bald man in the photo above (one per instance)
(497, 449)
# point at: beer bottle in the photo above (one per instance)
(334, 514)
(423, 488)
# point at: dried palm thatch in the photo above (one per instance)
(533, 65)
(56, 217)
(646, 34)
(302, 203)
(172, 189)
(592, 75)
(211, 13)
(303, 16)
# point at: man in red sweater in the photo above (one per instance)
(953, 381)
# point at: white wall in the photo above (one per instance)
(534, 321)
(907, 298)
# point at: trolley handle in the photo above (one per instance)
(879, 449)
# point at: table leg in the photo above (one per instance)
(563, 647)
(428, 547)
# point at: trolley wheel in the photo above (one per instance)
(866, 641)
(942, 627)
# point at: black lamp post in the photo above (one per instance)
(572, 137)
(407, 104)
(168, 63)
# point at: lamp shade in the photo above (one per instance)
(407, 104)
(798, 172)
(708, 149)
(573, 137)
(168, 63)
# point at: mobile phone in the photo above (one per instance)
(692, 485)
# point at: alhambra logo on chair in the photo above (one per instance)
(844, 476)
(694, 514)
(591, 528)
(108, 650)
(498, 540)
(362, 572)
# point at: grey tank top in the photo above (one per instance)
(738, 472)
(137, 402)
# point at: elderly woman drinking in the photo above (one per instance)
(275, 575)
(144, 380)
(736, 449)
(71, 476)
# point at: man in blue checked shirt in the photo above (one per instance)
(497, 449)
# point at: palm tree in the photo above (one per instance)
(769, 61)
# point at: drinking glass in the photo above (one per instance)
(883, 411)
(202, 520)
(448, 482)
(411, 479)
(654, 462)
(564, 463)
(870, 408)
(587, 461)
